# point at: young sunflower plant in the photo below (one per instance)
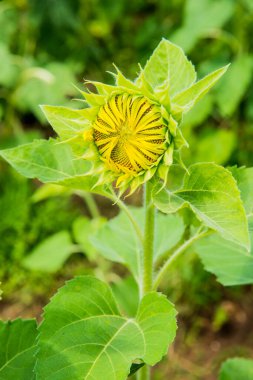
(128, 135)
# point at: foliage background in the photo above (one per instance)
(45, 48)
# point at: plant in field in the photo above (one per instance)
(129, 135)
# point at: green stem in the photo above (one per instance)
(91, 204)
(177, 253)
(148, 253)
(148, 244)
(124, 208)
(144, 373)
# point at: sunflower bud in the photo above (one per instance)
(129, 134)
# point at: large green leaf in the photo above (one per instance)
(244, 179)
(230, 262)
(84, 337)
(186, 99)
(212, 194)
(168, 63)
(17, 349)
(156, 317)
(51, 161)
(117, 241)
(50, 255)
(237, 369)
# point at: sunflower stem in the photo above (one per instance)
(148, 253)
(178, 252)
(144, 373)
(130, 216)
(91, 204)
(148, 244)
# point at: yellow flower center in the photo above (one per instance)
(129, 133)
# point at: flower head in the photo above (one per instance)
(130, 135)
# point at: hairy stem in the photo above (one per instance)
(164, 270)
(148, 253)
(148, 244)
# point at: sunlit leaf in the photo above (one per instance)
(231, 263)
(84, 337)
(51, 161)
(169, 63)
(244, 178)
(17, 349)
(212, 194)
(187, 98)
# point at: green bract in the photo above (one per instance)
(129, 132)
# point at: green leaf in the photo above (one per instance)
(233, 86)
(50, 255)
(108, 240)
(83, 229)
(169, 230)
(84, 337)
(17, 349)
(67, 122)
(244, 179)
(51, 161)
(187, 98)
(237, 369)
(230, 262)
(169, 63)
(117, 241)
(212, 194)
(155, 322)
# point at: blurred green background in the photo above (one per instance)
(47, 47)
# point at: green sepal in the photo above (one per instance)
(162, 95)
(122, 81)
(102, 88)
(94, 100)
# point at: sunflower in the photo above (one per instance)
(131, 134)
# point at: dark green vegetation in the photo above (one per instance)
(44, 48)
